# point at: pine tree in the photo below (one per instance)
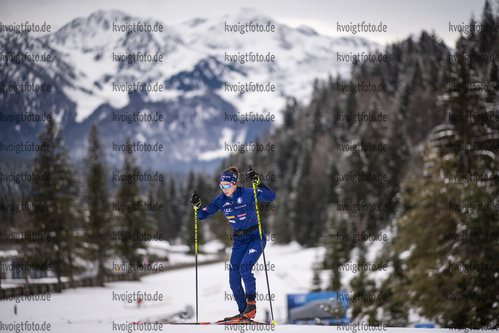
(283, 226)
(300, 211)
(56, 201)
(438, 209)
(365, 161)
(488, 34)
(164, 219)
(133, 220)
(338, 244)
(493, 81)
(316, 278)
(177, 204)
(363, 287)
(99, 224)
(395, 162)
(23, 223)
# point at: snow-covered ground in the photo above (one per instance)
(99, 310)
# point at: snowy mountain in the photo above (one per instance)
(193, 73)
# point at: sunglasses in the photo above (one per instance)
(226, 187)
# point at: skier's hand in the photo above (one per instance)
(253, 175)
(195, 200)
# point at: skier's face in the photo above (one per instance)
(230, 190)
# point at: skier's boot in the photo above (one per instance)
(250, 311)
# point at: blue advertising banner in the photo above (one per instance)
(318, 308)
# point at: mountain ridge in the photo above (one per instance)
(191, 67)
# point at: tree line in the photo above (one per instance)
(77, 222)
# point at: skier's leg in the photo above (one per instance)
(251, 256)
(238, 251)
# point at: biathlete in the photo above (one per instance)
(238, 205)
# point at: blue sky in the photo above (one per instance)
(401, 17)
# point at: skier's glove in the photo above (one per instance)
(195, 200)
(253, 175)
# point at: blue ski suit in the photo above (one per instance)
(239, 208)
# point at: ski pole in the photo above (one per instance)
(263, 252)
(196, 254)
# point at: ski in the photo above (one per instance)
(241, 322)
(220, 322)
(175, 323)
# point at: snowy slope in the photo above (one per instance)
(292, 273)
(94, 310)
